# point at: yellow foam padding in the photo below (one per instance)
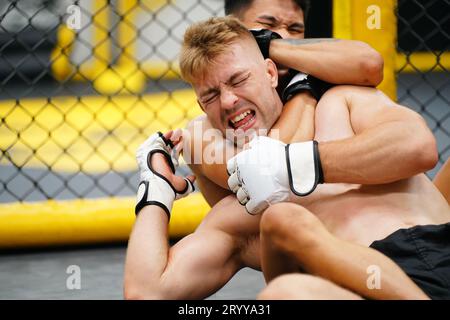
(350, 21)
(423, 62)
(342, 23)
(89, 221)
(98, 133)
(125, 78)
(101, 41)
(60, 56)
(154, 69)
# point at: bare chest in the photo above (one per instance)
(363, 214)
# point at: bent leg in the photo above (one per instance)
(304, 287)
(297, 233)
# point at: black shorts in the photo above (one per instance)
(423, 252)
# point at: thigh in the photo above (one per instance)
(305, 287)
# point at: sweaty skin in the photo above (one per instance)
(362, 136)
(365, 213)
(326, 59)
(359, 214)
(228, 239)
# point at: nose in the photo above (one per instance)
(228, 98)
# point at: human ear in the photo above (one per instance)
(272, 72)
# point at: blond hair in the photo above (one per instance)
(204, 41)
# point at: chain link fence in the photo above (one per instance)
(423, 79)
(83, 83)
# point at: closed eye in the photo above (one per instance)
(240, 81)
(296, 30)
(267, 24)
(209, 99)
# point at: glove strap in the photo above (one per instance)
(142, 200)
(304, 167)
(300, 82)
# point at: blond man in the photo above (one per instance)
(363, 139)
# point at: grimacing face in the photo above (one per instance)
(281, 16)
(238, 92)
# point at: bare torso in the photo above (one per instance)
(356, 213)
(363, 214)
(359, 214)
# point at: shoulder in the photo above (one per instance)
(353, 93)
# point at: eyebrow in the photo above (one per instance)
(270, 18)
(233, 77)
(274, 20)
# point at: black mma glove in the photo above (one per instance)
(263, 38)
(300, 82)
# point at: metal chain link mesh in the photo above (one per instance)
(423, 71)
(82, 83)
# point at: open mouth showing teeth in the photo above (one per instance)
(242, 119)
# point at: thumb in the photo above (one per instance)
(191, 178)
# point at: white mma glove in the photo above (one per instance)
(270, 171)
(154, 188)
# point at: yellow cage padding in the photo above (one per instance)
(350, 21)
(88, 221)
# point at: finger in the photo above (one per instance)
(168, 134)
(176, 136)
(242, 196)
(178, 147)
(184, 185)
(191, 178)
(190, 186)
(233, 182)
(166, 138)
(254, 208)
(231, 166)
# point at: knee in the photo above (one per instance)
(291, 286)
(298, 287)
(287, 221)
